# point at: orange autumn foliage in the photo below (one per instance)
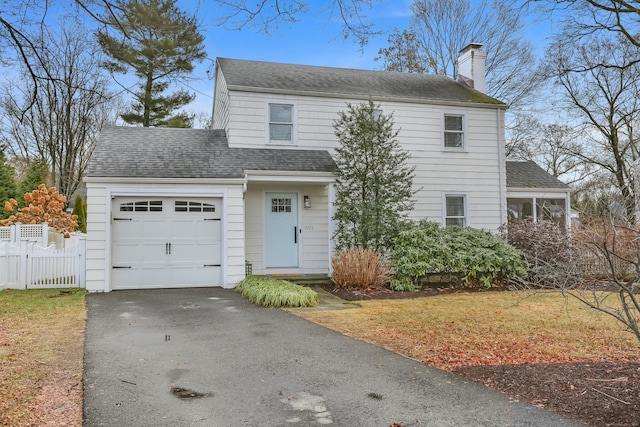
(43, 205)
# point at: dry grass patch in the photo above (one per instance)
(41, 343)
(450, 331)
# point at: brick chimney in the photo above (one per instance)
(471, 66)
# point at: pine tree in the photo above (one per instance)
(159, 43)
(8, 187)
(374, 183)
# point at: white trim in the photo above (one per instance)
(331, 223)
(465, 134)
(168, 181)
(465, 200)
(290, 177)
(502, 169)
(294, 121)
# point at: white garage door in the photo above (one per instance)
(165, 242)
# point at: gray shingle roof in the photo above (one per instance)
(341, 82)
(530, 175)
(135, 152)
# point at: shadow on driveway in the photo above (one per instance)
(207, 357)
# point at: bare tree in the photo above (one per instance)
(599, 265)
(438, 31)
(19, 20)
(67, 112)
(605, 99)
(583, 17)
(267, 15)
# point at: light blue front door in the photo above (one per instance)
(282, 234)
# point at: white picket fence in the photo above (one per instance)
(33, 256)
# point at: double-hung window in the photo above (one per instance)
(454, 132)
(281, 123)
(455, 210)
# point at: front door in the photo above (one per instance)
(281, 223)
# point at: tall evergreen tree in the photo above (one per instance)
(8, 188)
(374, 182)
(160, 44)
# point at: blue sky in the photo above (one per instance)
(314, 40)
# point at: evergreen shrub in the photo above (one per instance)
(478, 256)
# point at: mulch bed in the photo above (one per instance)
(598, 394)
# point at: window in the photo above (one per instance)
(281, 123)
(455, 210)
(453, 132)
(280, 205)
(142, 206)
(188, 206)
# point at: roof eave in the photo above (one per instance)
(148, 180)
(289, 176)
(539, 189)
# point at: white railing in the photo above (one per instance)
(27, 261)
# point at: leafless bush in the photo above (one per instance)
(553, 260)
(363, 269)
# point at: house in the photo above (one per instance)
(176, 207)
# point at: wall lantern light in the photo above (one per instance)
(307, 202)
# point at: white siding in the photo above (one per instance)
(477, 172)
(313, 223)
(97, 252)
(221, 106)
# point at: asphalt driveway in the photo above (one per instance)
(207, 357)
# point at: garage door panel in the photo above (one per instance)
(166, 244)
(202, 276)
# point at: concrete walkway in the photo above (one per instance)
(207, 357)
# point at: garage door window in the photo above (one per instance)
(189, 206)
(142, 206)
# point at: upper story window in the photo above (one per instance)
(281, 123)
(454, 132)
(455, 210)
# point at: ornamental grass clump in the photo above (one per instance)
(363, 269)
(272, 292)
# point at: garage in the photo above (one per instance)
(165, 242)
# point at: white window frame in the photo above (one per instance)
(294, 125)
(463, 132)
(464, 217)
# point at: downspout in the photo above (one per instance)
(501, 168)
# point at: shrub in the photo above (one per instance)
(477, 255)
(553, 260)
(271, 292)
(363, 269)
(80, 211)
(42, 205)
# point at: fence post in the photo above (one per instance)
(45, 234)
(82, 267)
(22, 274)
